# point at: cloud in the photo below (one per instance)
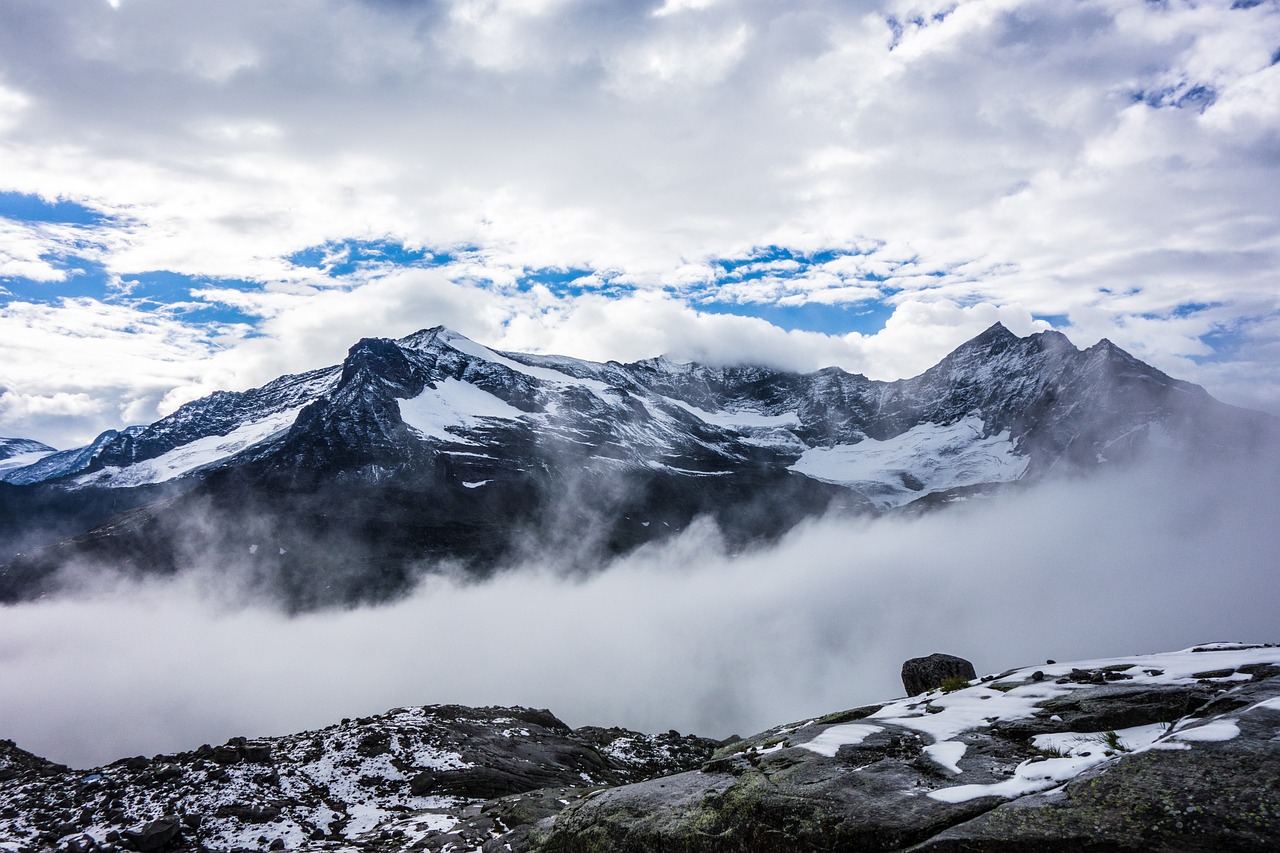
(685, 635)
(72, 369)
(1094, 163)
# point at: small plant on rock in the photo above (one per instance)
(1111, 741)
(956, 682)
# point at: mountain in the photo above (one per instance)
(344, 483)
(1172, 751)
(21, 452)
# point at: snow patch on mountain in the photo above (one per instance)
(194, 455)
(61, 463)
(11, 447)
(22, 460)
(925, 459)
(743, 419)
(851, 734)
(453, 407)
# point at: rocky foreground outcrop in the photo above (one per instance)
(1174, 752)
(1168, 752)
(390, 781)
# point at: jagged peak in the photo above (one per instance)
(424, 338)
(665, 363)
(1107, 349)
(997, 331)
(1053, 335)
(994, 338)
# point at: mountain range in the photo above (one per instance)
(347, 483)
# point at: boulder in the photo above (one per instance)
(155, 835)
(923, 674)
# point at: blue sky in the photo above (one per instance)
(200, 196)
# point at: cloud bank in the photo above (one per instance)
(680, 635)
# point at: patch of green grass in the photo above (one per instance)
(951, 685)
(1111, 741)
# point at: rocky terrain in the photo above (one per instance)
(1176, 751)
(415, 778)
(346, 483)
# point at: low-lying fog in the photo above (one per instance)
(677, 636)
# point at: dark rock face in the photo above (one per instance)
(920, 675)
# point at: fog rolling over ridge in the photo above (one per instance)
(680, 634)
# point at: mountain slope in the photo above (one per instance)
(343, 483)
(21, 452)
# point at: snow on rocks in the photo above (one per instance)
(828, 743)
(1013, 761)
(410, 773)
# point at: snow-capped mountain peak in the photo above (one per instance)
(438, 387)
(453, 447)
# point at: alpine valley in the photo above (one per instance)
(434, 452)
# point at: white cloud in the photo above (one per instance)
(12, 103)
(1010, 145)
(71, 370)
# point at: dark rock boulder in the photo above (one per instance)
(156, 835)
(923, 674)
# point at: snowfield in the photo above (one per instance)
(925, 459)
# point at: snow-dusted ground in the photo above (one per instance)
(341, 785)
(929, 458)
(1013, 695)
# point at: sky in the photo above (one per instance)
(198, 196)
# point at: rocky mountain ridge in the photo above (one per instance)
(435, 448)
(1174, 751)
(436, 388)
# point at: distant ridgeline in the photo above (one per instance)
(346, 483)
